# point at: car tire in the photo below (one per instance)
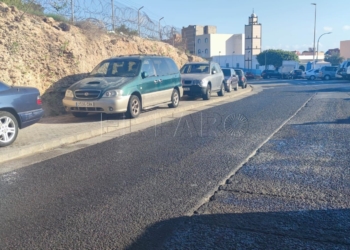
(79, 114)
(134, 107)
(222, 90)
(327, 77)
(268, 77)
(207, 94)
(312, 78)
(229, 88)
(175, 99)
(8, 126)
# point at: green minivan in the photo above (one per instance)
(126, 84)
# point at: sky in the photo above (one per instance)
(287, 25)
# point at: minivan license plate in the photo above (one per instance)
(186, 89)
(85, 104)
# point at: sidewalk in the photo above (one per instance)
(53, 132)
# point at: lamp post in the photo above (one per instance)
(265, 60)
(138, 20)
(248, 59)
(232, 58)
(318, 41)
(313, 65)
(219, 58)
(160, 33)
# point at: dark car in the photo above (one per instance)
(249, 75)
(231, 79)
(296, 74)
(20, 107)
(267, 73)
(242, 80)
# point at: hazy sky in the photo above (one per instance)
(287, 25)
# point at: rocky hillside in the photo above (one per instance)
(49, 55)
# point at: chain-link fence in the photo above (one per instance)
(113, 16)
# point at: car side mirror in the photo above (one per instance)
(144, 74)
(213, 72)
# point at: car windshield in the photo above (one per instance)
(238, 72)
(227, 72)
(117, 68)
(199, 68)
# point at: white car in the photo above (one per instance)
(312, 74)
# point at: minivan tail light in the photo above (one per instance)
(38, 100)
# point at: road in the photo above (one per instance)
(267, 171)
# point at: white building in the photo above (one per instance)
(209, 45)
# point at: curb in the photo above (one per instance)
(54, 143)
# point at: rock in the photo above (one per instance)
(49, 20)
(114, 41)
(64, 26)
(14, 9)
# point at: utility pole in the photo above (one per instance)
(313, 65)
(72, 10)
(138, 20)
(113, 16)
(160, 33)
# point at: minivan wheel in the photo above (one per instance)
(327, 77)
(8, 128)
(79, 114)
(312, 78)
(207, 94)
(134, 107)
(222, 90)
(175, 99)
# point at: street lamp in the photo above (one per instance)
(219, 58)
(160, 33)
(232, 58)
(313, 66)
(318, 43)
(138, 20)
(265, 59)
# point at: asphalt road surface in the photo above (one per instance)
(135, 191)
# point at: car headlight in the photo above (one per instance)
(69, 93)
(113, 93)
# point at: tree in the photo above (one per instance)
(275, 57)
(335, 59)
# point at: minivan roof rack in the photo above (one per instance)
(137, 55)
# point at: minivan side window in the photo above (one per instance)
(162, 68)
(147, 67)
(172, 66)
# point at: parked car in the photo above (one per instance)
(341, 72)
(20, 107)
(242, 80)
(230, 79)
(296, 74)
(202, 78)
(327, 72)
(267, 73)
(249, 75)
(126, 84)
(312, 74)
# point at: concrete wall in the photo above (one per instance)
(236, 61)
(189, 35)
(345, 49)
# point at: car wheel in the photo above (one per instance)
(327, 77)
(268, 77)
(229, 88)
(312, 78)
(175, 99)
(8, 128)
(79, 114)
(134, 107)
(207, 94)
(222, 90)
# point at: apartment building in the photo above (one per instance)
(189, 35)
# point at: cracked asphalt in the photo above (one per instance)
(139, 191)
